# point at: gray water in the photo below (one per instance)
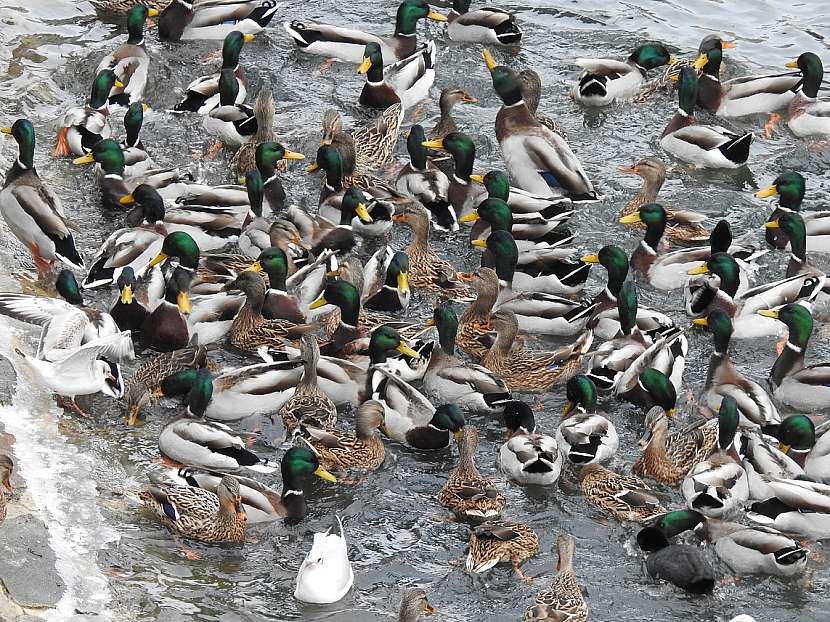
(398, 534)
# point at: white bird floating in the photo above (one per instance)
(325, 576)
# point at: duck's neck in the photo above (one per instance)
(790, 360)
(680, 120)
(293, 499)
(504, 342)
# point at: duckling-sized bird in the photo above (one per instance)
(129, 61)
(537, 159)
(232, 123)
(33, 212)
(604, 81)
(414, 604)
(466, 493)
(808, 115)
(196, 513)
(562, 600)
(406, 82)
(202, 95)
(84, 126)
(625, 497)
(386, 281)
(348, 45)
(528, 456)
(501, 541)
(425, 182)
(309, 405)
(188, 21)
(790, 187)
(361, 449)
(485, 25)
(583, 436)
(166, 327)
(326, 575)
(705, 146)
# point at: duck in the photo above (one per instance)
(365, 216)
(202, 94)
(801, 440)
(130, 61)
(197, 513)
(532, 232)
(449, 380)
(562, 599)
(348, 45)
(466, 493)
(625, 497)
(532, 94)
(366, 147)
(537, 159)
(497, 184)
(386, 281)
(244, 160)
(790, 188)
(797, 507)
(475, 324)
(669, 457)
(583, 435)
(604, 81)
(528, 456)
(406, 82)
(718, 486)
(231, 123)
(792, 226)
(361, 449)
(32, 211)
(279, 303)
(414, 604)
(529, 370)
(166, 327)
(722, 379)
(309, 405)
(446, 124)
(501, 541)
(705, 146)
(485, 25)
(462, 194)
(185, 21)
(124, 6)
(137, 161)
(808, 115)
(84, 126)
(326, 575)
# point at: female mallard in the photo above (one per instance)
(137, 162)
(166, 327)
(604, 81)
(127, 312)
(124, 6)
(414, 604)
(669, 457)
(537, 159)
(32, 211)
(532, 93)
(406, 82)
(529, 370)
(462, 194)
(129, 61)
(706, 146)
(624, 497)
(446, 102)
(485, 25)
(202, 94)
(348, 44)
(563, 599)
(583, 436)
(809, 116)
(386, 281)
(187, 21)
(722, 379)
(196, 513)
(361, 449)
(501, 541)
(474, 326)
(367, 147)
(84, 126)
(232, 123)
(790, 188)
(309, 405)
(449, 380)
(528, 456)
(467, 494)
(245, 159)
(718, 486)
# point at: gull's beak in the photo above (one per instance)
(84, 159)
(320, 302)
(365, 65)
(471, 217)
(405, 349)
(701, 269)
(126, 294)
(127, 199)
(183, 302)
(631, 219)
(767, 192)
(489, 60)
(324, 474)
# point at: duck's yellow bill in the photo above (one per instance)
(457, 434)
(769, 313)
(437, 143)
(471, 217)
(247, 37)
(671, 412)
(672, 59)
(784, 448)
(793, 64)
(405, 349)
(365, 65)
(183, 302)
(771, 191)
(127, 199)
(489, 60)
(292, 155)
(254, 267)
(363, 213)
(701, 321)
(127, 294)
(773, 224)
(157, 259)
(701, 61)
(6, 130)
(479, 179)
(323, 474)
(312, 167)
(145, 107)
(480, 243)
(701, 269)
(84, 159)
(152, 12)
(631, 219)
(436, 16)
(403, 281)
(118, 84)
(429, 322)
(590, 258)
(568, 409)
(320, 302)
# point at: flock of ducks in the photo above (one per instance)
(198, 268)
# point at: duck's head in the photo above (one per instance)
(228, 87)
(651, 56)
(796, 432)
(687, 91)
(656, 421)
(23, 132)
(415, 216)
(230, 497)
(370, 417)
(445, 320)
(268, 154)
(177, 291)
(410, 12)
(813, 71)
(494, 212)
(255, 187)
(615, 261)
(505, 322)
(108, 154)
(232, 48)
(176, 384)
(720, 324)
(518, 418)
(794, 229)
(659, 388)
(798, 320)
(449, 418)
(372, 64)
(136, 20)
(273, 262)
(329, 160)
(728, 420)
(345, 296)
(657, 535)
(790, 187)
(653, 215)
(502, 254)
(68, 288)
(452, 96)
(332, 126)
(149, 201)
(462, 149)
(505, 81)
(133, 120)
(415, 604)
(710, 54)
(484, 281)
(724, 266)
(627, 307)
(300, 462)
(101, 86)
(497, 184)
(721, 237)
(179, 245)
(397, 273)
(652, 170)
(354, 205)
(127, 285)
(582, 395)
(384, 341)
(200, 394)
(415, 140)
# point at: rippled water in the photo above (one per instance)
(397, 533)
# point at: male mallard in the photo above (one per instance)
(809, 116)
(604, 81)
(702, 145)
(501, 541)
(232, 123)
(497, 185)
(414, 604)
(279, 303)
(129, 61)
(474, 325)
(166, 327)
(386, 281)
(790, 188)
(624, 497)
(562, 600)
(585, 437)
(186, 21)
(196, 513)
(348, 44)
(796, 506)
(718, 486)
(530, 370)
(528, 456)
(309, 405)
(31, 210)
(466, 493)
(485, 25)
(807, 445)
(127, 312)
(537, 159)
(446, 102)
(84, 126)
(245, 159)
(361, 449)
(792, 226)
(137, 162)
(462, 194)
(406, 82)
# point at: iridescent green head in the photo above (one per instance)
(136, 19)
(180, 244)
(410, 11)
(297, 465)
(720, 324)
(582, 393)
(799, 322)
(446, 321)
(255, 187)
(627, 307)
(462, 149)
(372, 64)
(728, 419)
(24, 133)
(792, 224)
(813, 72)
(496, 213)
(797, 432)
(497, 184)
(502, 254)
(178, 383)
(415, 147)
(659, 388)
(274, 263)
(268, 154)
(354, 205)
(687, 91)
(615, 261)
(790, 188)
(345, 296)
(657, 535)
(232, 47)
(448, 417)
(726, 268)
(68, 288)
(651, 56)
(150, 201)
(384, 341)
(133, 120)
(518, 417)
(101, 87)
(200, 394)
(328, 159)
(108, 154)
(506, 84)
(721, 237)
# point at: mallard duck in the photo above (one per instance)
(796, 506)
(497, 185)
(808, 115)
(233, 124)
(683, 565)
(485, 25)
(742, 96)
(706, 146)
(532, 93)
(279, 303)
(31, 210)
(475, 324)
(186, 21)
(425, 182)
(529, 370)
(792, 226)
(245, 159)
(137, 162)
(367, 147)
(407, 81)
(348, 45)
(624, 497)
(718, 486)
(807, 445)
(414, 604)
(528, 456)
(352, 209)
(386, 281)
(166, 327)
(129, 61)
(446, 102)
(84, 126)
(124, 6)
(790, 188)
(462, 194)
(196, 513)
(466, 493)
(270, 158)
(604, 81)
(562, 600)
(202, 95)
(758, 550)
(722, 379)
(501, 541)
(583, 436)
(537, 159)
(669, 457)
(326, 575)
(309, 405)
(449, 380)
(361, 449)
